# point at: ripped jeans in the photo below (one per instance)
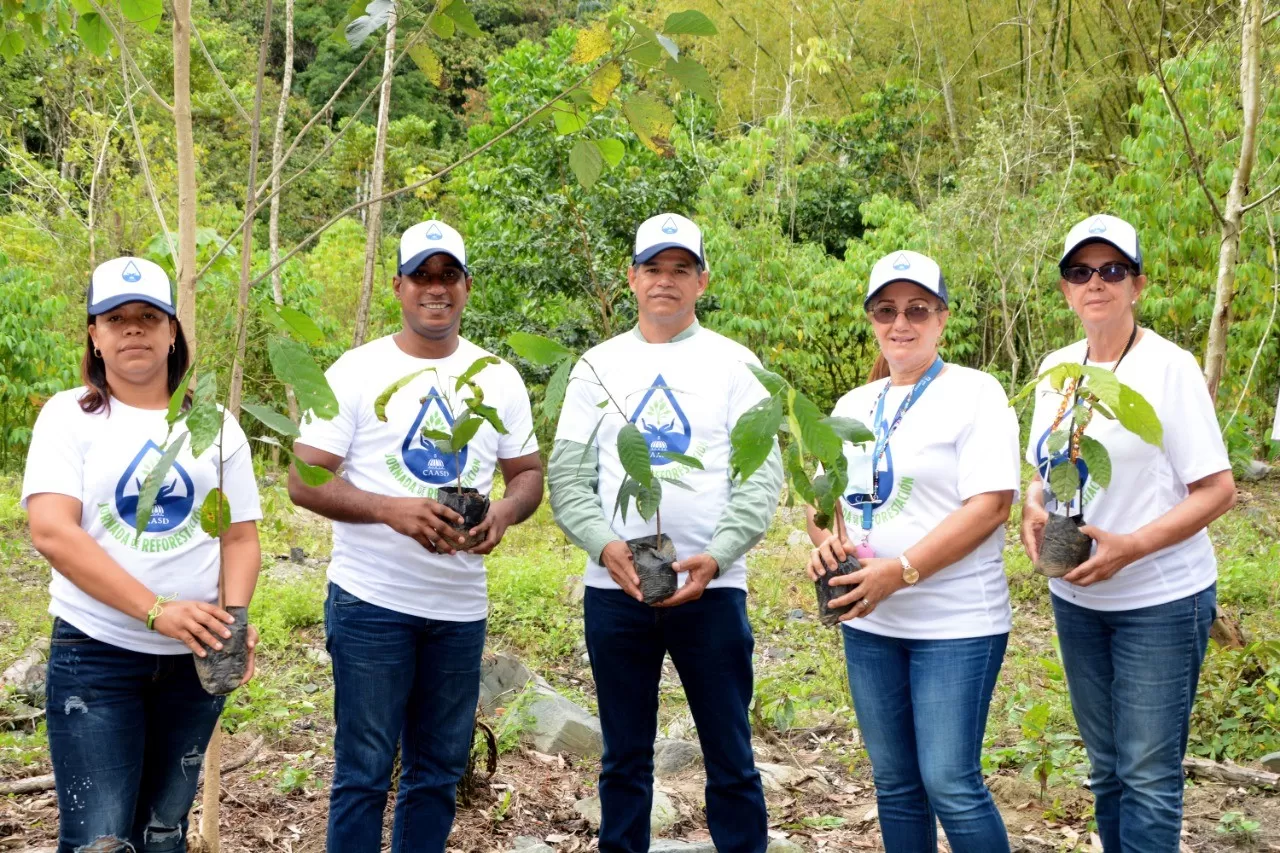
(127, 733)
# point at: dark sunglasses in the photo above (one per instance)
(1110, 273)
(916, 314)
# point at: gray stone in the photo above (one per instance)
(779, 777)
(1255, 471)
(1271, 762)
(797, 537)
(662, 816)
(671, 756)
(318, 656)
(531, 844)
(502, 677)
(783, 845)
(297, 555)
(559, 725)
(796, 614)
(670, 845)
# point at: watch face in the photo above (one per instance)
(910, 575)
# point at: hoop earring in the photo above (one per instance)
(172, 347)
(97, 353)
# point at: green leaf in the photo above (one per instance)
(690, 74)
(272, 419)
(12, 45)
(82, 7)
(464, 429)
(568, 119)
(1102, 383)
(682, 458)
(819, 438)
(651, 121)
(153, 481)
(751, 440)
(689, 23)
(490, 415)
(145, 13)
(434, 435)
(311, 475)
(772, 382)
(380, 404)
(1136, 415)
(797, 477)
(293, 365)
(587, 163)
(476, 366)
(648, 498)
(204, 418)
(1057, 440)
(301, 325)
(612, 150)
(627, 492)
(644, 50)
(215, 513)
(537, 349)
(850, 429)
(1064, 480)
(178, 397)
(557, 385)
(633, 452)
(442, 25)
(461, 15)
(428, 63)
(95, 33)
(1097, 459)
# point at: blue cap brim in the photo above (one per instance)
(116, 301)
(648, 253)
(941, 294)
(417, 260)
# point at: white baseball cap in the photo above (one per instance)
(1104, 229)
(906, 265)
(425, 239)
(668, 231)
(129, 279)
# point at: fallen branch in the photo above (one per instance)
(1231, 773)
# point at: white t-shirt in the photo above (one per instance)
(1275, 430)
(959, 439)
(1146, 481)
(685, 397)
(372, 561)
(101, 460)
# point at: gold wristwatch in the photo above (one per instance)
(909, 573)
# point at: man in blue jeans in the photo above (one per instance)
(685, 387)
(405, 616)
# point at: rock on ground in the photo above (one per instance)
(529, 844)
(1271, 762)
(559, 725)
(662, 816)
(502, 677)
(669, 845)
(779, 777)
(670, 756)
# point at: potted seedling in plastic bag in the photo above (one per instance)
(1075, 466)
(467, 413)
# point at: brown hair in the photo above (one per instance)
(879, 370)
(93, 372)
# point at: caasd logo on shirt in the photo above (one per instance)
(421, 457)
(173, 502)
(663, 422)
(1046, 460)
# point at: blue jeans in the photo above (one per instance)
(710, 643)
(922, 709)
(127, 733)
(1132, 675)
(406, 679)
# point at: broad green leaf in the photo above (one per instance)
(633, 453)
(819, 438)
(850, 429)
(272, 419)
(537, 348)
(651, 121)
(215, 513)
(568, 119)
(145, 13)
(464, 429)
(612, 149)
(772, 382)
(797, 477)
(489, 415)
(627, 492)
(587, 163)
(461, 15)
(12, 44)
(442, 25)
(427, 61)
(204, 418)
(1058, 440)
(1064, 480)
(301, 325)
(311, 475)
(689, 23)
(644, 48)
(751, 440)
(1102, 383)
(178, 397)
(293, 365)
(605, 82)
(434, 434)
(1097, 459)
(682, 458)
(153, 481)
(553, 398)
(648, 498)
(593, 42)
(1137, 415)
(678, 484)
(82, 7)
(95, 33)
(476, 366)
(690, 74)
(380, 404)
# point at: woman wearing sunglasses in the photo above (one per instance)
(924, 512)
(1133, 620)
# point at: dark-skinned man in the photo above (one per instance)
(406, 611)
(685, 387)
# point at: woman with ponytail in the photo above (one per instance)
(128, 720)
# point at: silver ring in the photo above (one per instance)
(864, 603)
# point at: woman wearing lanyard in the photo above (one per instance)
(128, 720)
(925, 514)
(1133, 621)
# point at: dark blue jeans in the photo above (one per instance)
(406, 679)
(1132, 675)
(710, 643)
(922, 709)
(127, 733)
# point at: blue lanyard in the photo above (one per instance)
(885, 431)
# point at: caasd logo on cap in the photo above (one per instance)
(670, 227)
(1097, 225)
(906, 265)
(1104, 228)
(123, 280)
(433, 233)
(902, 262)
(425, 239)
(668, 231)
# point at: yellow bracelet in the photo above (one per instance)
(156, 609)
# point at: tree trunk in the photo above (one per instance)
(186, 165)
(1215, 356)
(210, 806)
(373, 224)
(273, 226)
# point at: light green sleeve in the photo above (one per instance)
(572, 476)
(746, 517)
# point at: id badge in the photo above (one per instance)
(861, 474)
